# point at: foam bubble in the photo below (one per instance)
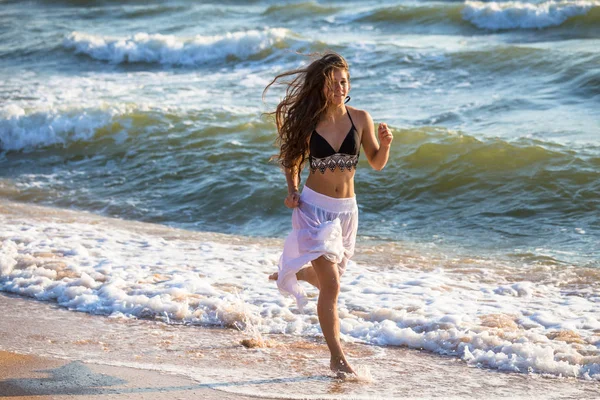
(7, 261)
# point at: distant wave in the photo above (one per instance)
(490, 15)
(174, 50)
(519, 15)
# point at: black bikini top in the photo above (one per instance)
(322, 155)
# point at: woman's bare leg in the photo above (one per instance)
(329, 281)
(307, 274)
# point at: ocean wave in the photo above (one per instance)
(520, 15)
(506, 58)
(440, 13)
(581, 77)
(294, 10)
(173, 50)
(308, 8)
(490, 15)
(20, 130)
(445, 161)
(151, 10)
(520, 319)
(568, 71)
(524, 182)
(25, 130)
(86, 3)
(429, 167)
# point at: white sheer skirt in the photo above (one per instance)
(321, 226)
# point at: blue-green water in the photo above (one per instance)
(152, 111)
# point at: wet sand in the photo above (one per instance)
(32, 377)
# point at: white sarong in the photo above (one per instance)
(321, 226)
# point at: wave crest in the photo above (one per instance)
(517, 15)
(173, 50)
(20, 130)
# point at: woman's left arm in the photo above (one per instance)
(377, 153)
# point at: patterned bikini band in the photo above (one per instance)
(341, 161)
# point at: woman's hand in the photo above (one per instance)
(385, 135)
(292, 200)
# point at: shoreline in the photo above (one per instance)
(53, 352)
(27, 377)
(92, 358)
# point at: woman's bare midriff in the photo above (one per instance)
(338, 184)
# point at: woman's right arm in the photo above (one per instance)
(293, 198)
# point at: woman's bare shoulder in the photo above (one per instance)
(359, 116)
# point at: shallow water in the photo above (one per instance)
(538, 318)
(480, 241)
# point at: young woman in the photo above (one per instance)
(313, 120)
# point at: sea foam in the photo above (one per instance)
(174, 50)
(484, 317)
(520, 15)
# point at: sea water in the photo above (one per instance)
(480, 240)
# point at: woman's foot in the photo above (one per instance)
(341, 368)
(274, 276)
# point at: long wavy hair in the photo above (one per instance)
(297, 115)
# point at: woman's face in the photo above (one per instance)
(341, 86)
